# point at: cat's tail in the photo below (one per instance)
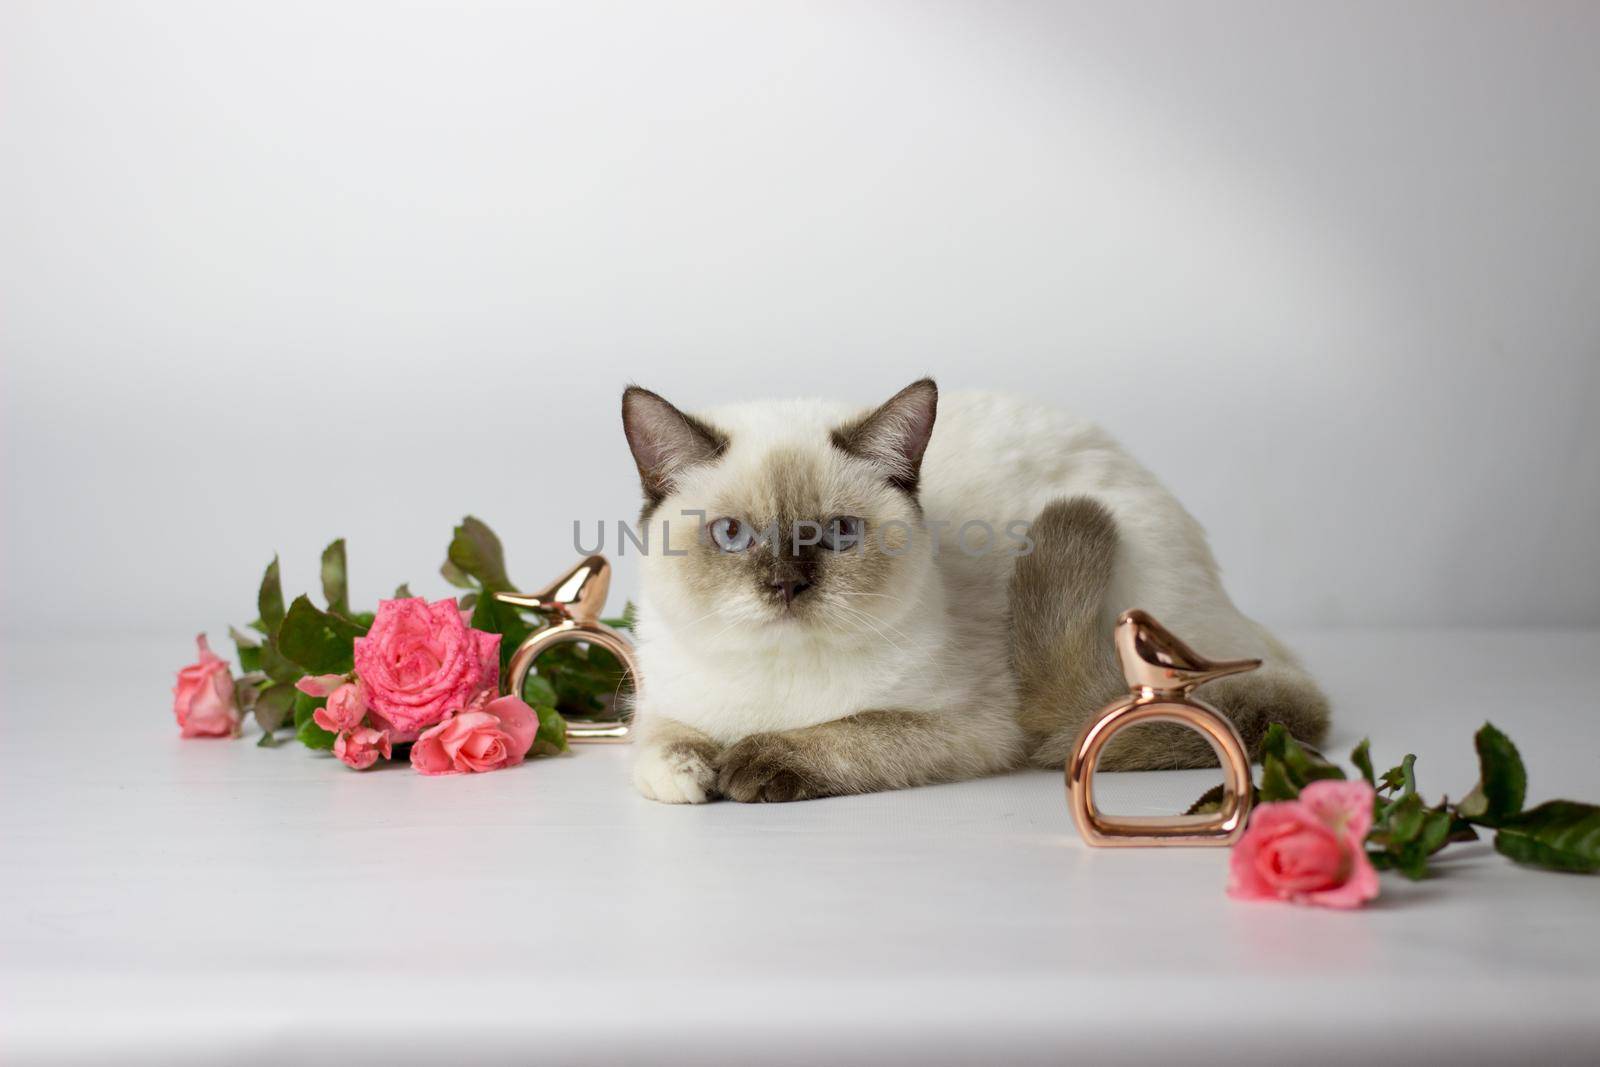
(1060, 639)
(1066, 666)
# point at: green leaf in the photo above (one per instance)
(494, 617)
(1287, 766)
(247, 690)
(314, 737)
(335, 581)
(277, 666)
(249, 650)
(1404, 820)
(586, 679)
(274, 706)
(1402, 777)
(538, 692)
(1409, 833)
(1562, 835)
(403, 591)
(1435, 834)
(475, 551)
(625, 621)
(1502, 780)
(1361, 756)
(269, 600)
(1276, 741)
(456, 577)
(1275, 783)
(552, 736)
(1210, 801)
(1413, 864)
(305, 705)
(319, 642)
(1305, 765)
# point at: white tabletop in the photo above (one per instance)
(170, 901)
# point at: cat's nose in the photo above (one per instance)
(789, 588)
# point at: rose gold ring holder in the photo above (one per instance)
(574, 601)
(1162, 672)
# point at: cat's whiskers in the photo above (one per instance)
(885, 622)
(696, 622)
(864, 618)
(724, 630)
(912, 647)
(915, 647)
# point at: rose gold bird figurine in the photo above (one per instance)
(1162, 672)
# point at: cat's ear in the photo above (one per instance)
(896, 434)
(664, 440)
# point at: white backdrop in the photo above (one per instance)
(277, 272)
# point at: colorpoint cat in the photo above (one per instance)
(841, 601)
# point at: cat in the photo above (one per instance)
(839, 601)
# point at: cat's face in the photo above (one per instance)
(791, 522)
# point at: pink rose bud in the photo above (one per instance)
(1308, 851)
(419, 662)
(344, 711)
(361, 747)
(319, 685)
(203, 698)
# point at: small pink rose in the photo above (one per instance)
(419, 662)
(361, 747)
(1308, 851)
(319, 685)
(202, 700)
(519, 721)
(344, 711)
(475, 741)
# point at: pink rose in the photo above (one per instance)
(344, 711)
(419, 662)
(519, 721)
(1308, 851)
(498, 736)
(203, 698)
(463, 744)
(361, 747)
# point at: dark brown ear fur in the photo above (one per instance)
(664, 441)
(896, 434)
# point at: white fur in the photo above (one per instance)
(937, 642)
(670, 777)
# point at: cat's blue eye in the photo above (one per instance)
(731, 535)
(842, 533)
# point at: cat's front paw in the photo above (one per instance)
(767, 768)
(675, 773)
